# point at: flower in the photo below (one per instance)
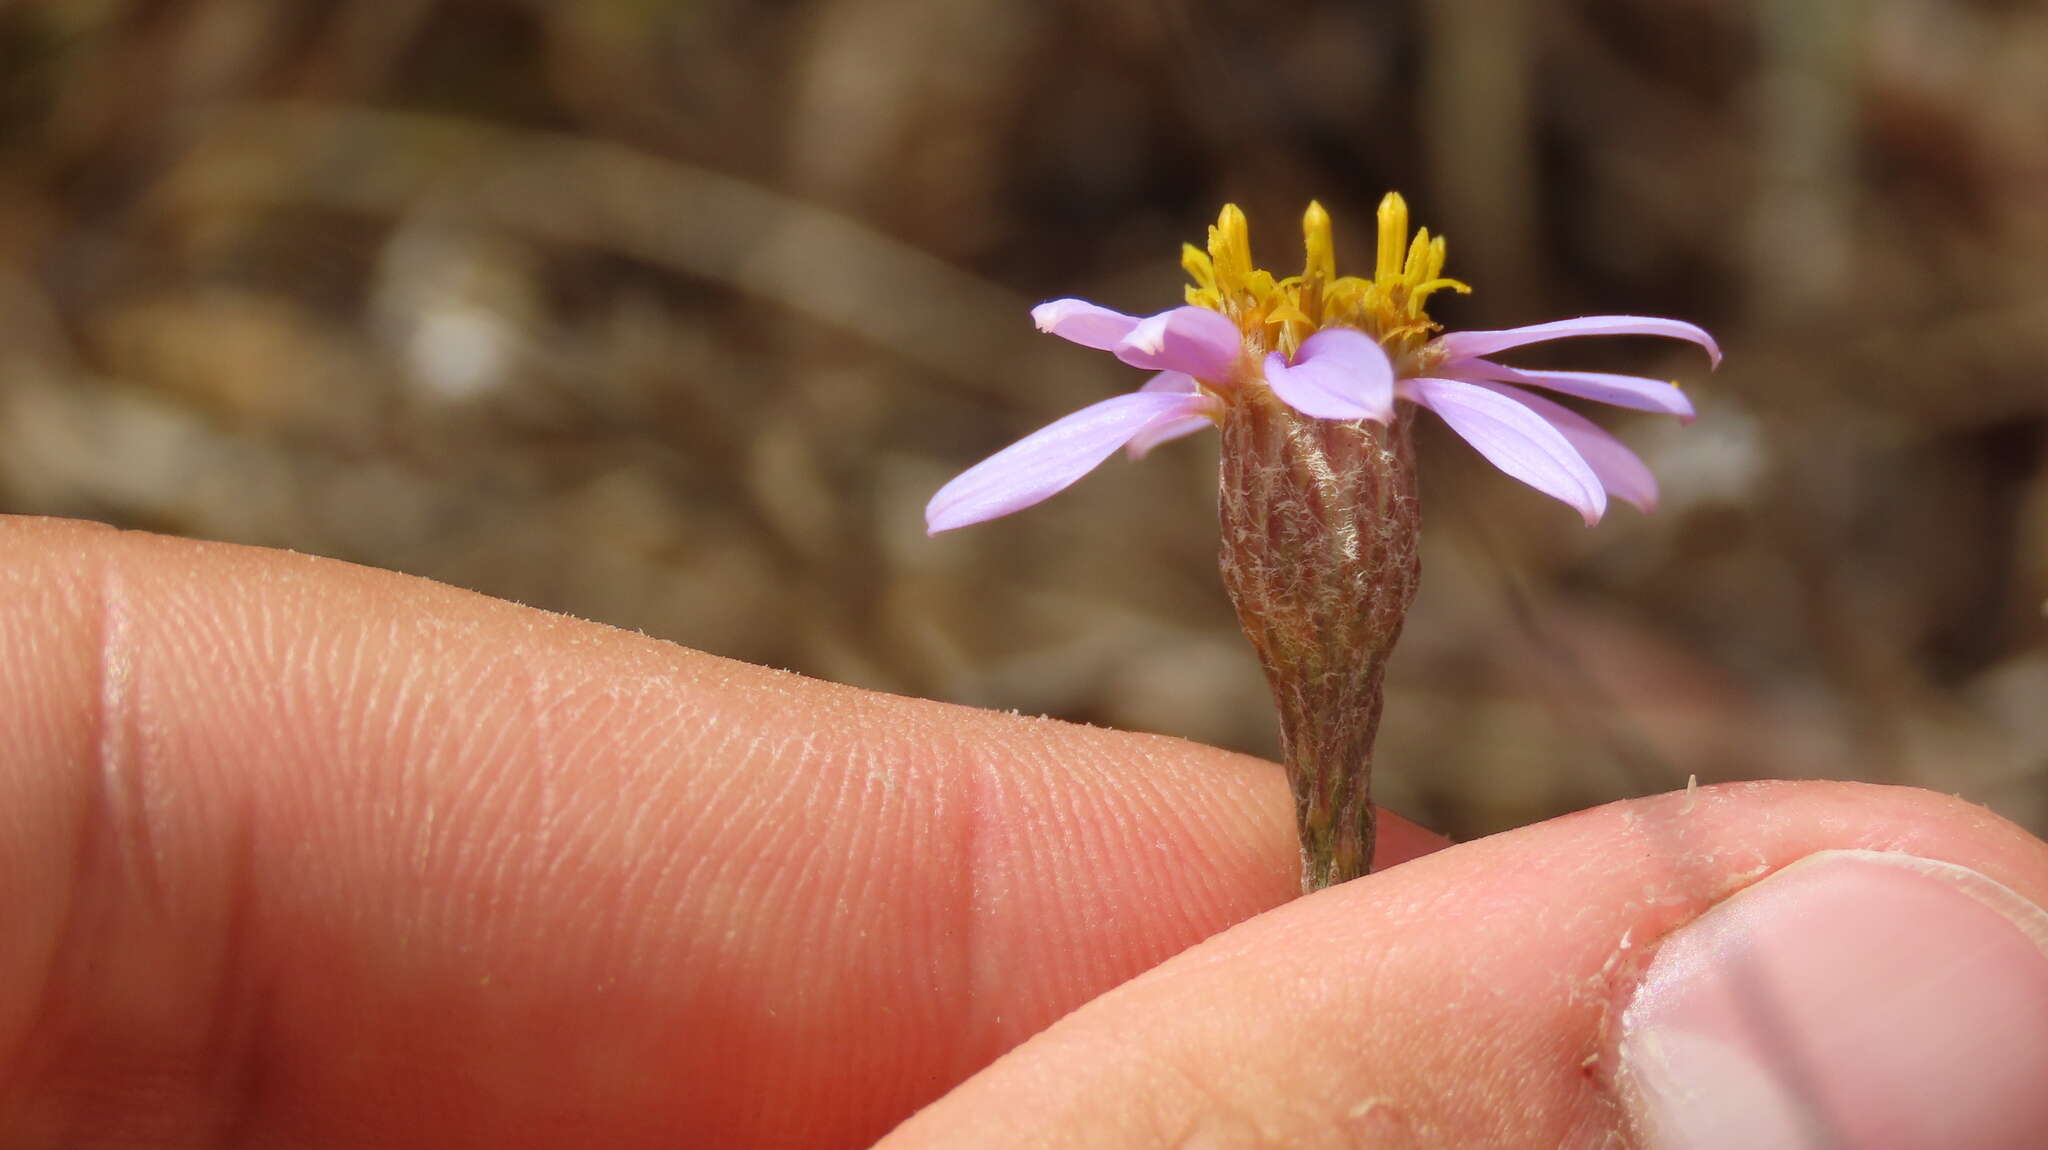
(1339, 348)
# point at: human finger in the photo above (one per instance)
(299, 852)
(1765, 966)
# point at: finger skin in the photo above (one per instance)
(297, 853)
(1463, 1000)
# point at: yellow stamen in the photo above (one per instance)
(1202, 292)
(1230, 249)
(1393, 236)
(1278, 315)
(1321, 247)
(1320, 269)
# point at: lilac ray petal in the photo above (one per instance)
(1169, 428)
(1636, 392)
(1194, 340)
(1174, 382)
(1338, 374)
(1622, 472)
(1088, 324)
(1466, 344)
(1515, 439)
(1166, 431)
(1049, 460)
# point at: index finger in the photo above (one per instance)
(299, 851)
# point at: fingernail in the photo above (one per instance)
(1855, 999)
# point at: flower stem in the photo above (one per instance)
(1320, 529)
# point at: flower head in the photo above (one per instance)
(1330, 347)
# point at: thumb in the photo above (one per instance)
(1666, 972)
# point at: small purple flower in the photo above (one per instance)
(1311, 379)
(1330, 348)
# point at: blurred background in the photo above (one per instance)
(673, 313)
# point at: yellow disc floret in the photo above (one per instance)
(1279, 314)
